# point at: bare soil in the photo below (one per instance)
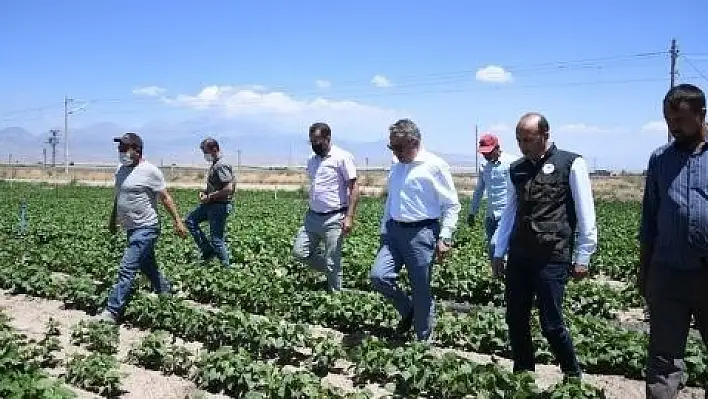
(30, 315)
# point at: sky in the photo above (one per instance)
(597, 70)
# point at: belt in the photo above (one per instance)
(330, 212)
(417, 223)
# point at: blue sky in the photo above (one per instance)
(280, 65)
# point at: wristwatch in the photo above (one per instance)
(447, 241)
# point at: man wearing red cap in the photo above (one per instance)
(494, 179)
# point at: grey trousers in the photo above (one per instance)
(673, 297)
(316, 230)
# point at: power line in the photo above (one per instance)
(695, 68)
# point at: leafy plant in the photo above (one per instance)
(97, 335)
(95, 372)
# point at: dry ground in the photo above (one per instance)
(372, 181)
(30, 316)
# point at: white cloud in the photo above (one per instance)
(493, 74)
(280, 109)
(655, 126)
(150, 91)
(323, 84)
(380, 81)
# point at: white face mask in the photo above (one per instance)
(125, 158)
(208, 157)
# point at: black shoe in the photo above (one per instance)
(405, 324)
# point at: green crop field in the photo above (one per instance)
(265, 328)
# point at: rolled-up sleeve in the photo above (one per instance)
(500, 239)
(449, 202)
(650, 205)
(581, 189)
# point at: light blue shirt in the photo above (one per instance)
(494, 179)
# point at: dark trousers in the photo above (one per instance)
(673, 296)
(526, 279)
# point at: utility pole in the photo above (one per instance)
(66, 134)
(674, 55)
(53, 141)
(476, 155)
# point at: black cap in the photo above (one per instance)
(130, 139)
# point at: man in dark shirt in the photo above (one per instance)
(673, 270)
(215, 204)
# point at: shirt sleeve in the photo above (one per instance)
(348, 168)
(449, 202)
(156, 180)
(581, 190)
(477, 196)
(224, 173)
(650, 205)
(500, 238)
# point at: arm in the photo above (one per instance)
(501, 236)
(112, 219)
(159, 186)
(581, 191)
(477, 196)
(648, 226)
(350, 175)
(387, 205)
(226, 176)
(449, 203)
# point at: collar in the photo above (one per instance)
(551, 149)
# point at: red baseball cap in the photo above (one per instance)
(487, 143)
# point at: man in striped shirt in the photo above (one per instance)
(673, 270)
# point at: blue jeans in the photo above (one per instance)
(216, 213)
(139, 255)
(415, 247)
(318, 228)
(526, 279)
(490, 226)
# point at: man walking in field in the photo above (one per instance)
(215, 204)
(494, 179)
(420, 216)
(138, 184)
(550, 199)
(673, 269)
(334, 194)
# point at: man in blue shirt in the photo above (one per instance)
(494, 179)
(673, 270)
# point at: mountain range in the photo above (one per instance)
(178, 144)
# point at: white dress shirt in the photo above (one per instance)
(422, 189)
(581, 191)
(329, 179)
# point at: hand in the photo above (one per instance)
(498, 267)
(180, 229)
(579, 271)
(347, 224)
(470, 220)
(441, 251)
(203, 197)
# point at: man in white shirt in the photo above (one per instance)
(420, 216)
(494, 179)
(334, 193)
(550, 200)
(138, 185)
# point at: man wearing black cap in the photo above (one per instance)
(138, 184)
